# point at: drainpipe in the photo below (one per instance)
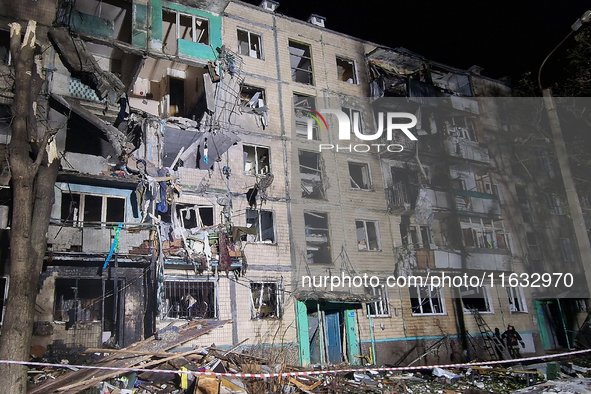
(373, 340)
(320, 333)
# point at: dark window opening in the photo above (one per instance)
(311, 175)
(262, 221)
(425, 300)
(192, 216)
(82, 137)
(3, 293)
(265, 301)
(177, 97)
(93, 207)
(190, 299)
(301, 63)
(115, 210)
(405, 188)
(359, 176)
(523, 200)
(317, 238)
(83, 300)
(346, 70)
(475, 298)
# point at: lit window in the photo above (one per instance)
(249, 44)
(516, 299)
(300, 60)
(262, 221)
(256, 160)
(380, 308)
(192, 299)
(266, 300)
(359, 176)
(476, 298)
(317, 238)
(426, 300)
(346, 70)
(368, 237)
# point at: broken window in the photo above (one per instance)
(84, 300)
(78, 208)
(346, 70)
(417, 236)
(566, 250)
(3, 294)
(359, 176)
(252, 97)
(192, 216)
(368, 236)
(311, 174)
(266, 300)
(544, 162)
(85, 138)
(516, 299)
(477, 298)
(256, 160)
(461, 127)
(249, 44)
(302, 105)
(523, 201)
(405, 188)
(554, 204)
(263, 222)
(317, 238)
(380, 308)
(355, 119)
(190, 299)
(5, 47)
(426, 300)
(484, 233)
(300, 60)
(177, 25)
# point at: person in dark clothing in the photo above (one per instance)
(512, 340)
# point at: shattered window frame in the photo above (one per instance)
(203, 38)
(349, 67)
(353, 113)
(299, 74)
(316, 191)
(484, 233)
(254, 217)
(317, 232)
(461, 127)
(422, 301)
(4, 283)
(270, 292)
(366, 184)
(301, 121)
(261, 158)
(80, 220)
(483, 293)
(517, 302)
(380, 308)
(194, 306)
(554, 204)
(183, 208)
(247, 92)
(258, 51)
(364, 238)
(419, 236)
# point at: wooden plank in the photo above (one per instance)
(186, 333)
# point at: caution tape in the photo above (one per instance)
(298, 373)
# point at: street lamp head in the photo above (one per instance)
(579, 22)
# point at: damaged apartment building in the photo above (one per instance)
(192, 187)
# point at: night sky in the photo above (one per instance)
(506, 38)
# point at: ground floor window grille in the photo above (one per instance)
(194, 299)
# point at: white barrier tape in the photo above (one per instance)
(300, 373)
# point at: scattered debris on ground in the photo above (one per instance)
(154, 354)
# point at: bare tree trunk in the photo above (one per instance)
(32, 185)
